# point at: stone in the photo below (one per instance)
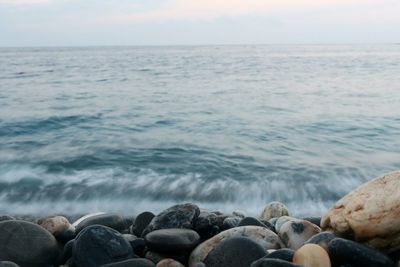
(206, 224)
(111, 220)
(295, 233)
(27, 244)
(6, 218)
(172, 240)
(56, 225)
(314, 220)
(234, 252)
(342, 252)
(178, 216)
(322, 239)
(285, 254)
(169, 263)
(200, 264)
(251, 221)
(264, 237)
(131, 263)
(141, 222)
(156, 257)
(66, 253)
(97, 245)
(138, 246)
(265, 262)
(230, 222)
(274, 210)
(282, 220)
(8, 264)
(312, 255)
(369, 213)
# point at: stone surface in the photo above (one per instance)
(342, 252)
(8, 264)
(294, 233)
(207, 224)
(265, 262)
(285, 254)
(274, 210)
(169, 263)
(27, 244)
(131, 263)
(156, 257)
(172, 240)
(282, 220)
(322, 239)
(141, 222)
(264, 237)
(230, 222)
(234, 252)
(369, 213)
(56, 225)
(314, 220)
(111, 220)
(97, 245)
(312, 255)
(178, 216)
(66, 253)
(6, 218)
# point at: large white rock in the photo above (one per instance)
(370, 213)
(263, 236)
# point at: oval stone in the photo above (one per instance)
(8, 264)
(172, 240)
(56, 225)
(141, 222)
(311, 255)
(295, 233)
(27, 244)
(111, 220)
(169, 263)
(282, 254)
(273, 210)
(265, 262)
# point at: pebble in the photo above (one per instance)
(58, 226)
(131, 263)
(230, 222)
(27, 244)
(138, 244)
(294, 233)
(169, 263)
(111, 220)
(234, 252)
(141, 222)
(322, 239)
(97, 245)
(207, 224)
(178, 216)
(156, 257)
(172, 240)
(343, 251)
(311, 255)
(264, 237)
(274, 210)
(285, 254)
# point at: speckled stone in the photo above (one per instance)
(274, 210)
(295, 233)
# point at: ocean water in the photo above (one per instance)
(129, 129)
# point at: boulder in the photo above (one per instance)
(369, 213)
(27, 244)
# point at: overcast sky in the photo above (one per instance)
(168, 22)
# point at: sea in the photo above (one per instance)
(230, 128)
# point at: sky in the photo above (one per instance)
(197, 22)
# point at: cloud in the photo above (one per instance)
(23, 2)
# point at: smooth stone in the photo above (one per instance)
(234, 252)
(273, 221)
(239, 214)
(97, 245)
(295, 233)
(206, 224)
(322, 239)
(200, 264)
(156, 257)
(285, 254)
(264, 237)
(8, 264)
(344, 252)
(169, 263)
(369, 213)
(6, 218)
(131, 263)
(269, 225)
(172, 240)
(314, 220)
(251, 221)
(265, 262)
(230, 222)
(141, 222)
(311, 255)
(111, 220)
(66, 253)
(282, 220)
(56, 225)
(139, 247)
(178, 216)
(274, 210)
(27, 244)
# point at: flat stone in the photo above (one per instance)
(265, 262)
(311, 255)
(178, 216)
(295, 233)
(344, 252)
(264, 237)
(111, 220)
(172, 240)
(97, 245)
(169, 263)
(234, 252)
(274, 210)
(141, 222)
(131, 263)
(27, 244)
(369, 214)
(285, 254)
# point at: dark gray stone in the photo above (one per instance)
(343, 251)
(113, 221)
(234, 252)
(321, 239)
(141, 222)
(156, 257)
(282, 254)
(265, 262)
(131, 263)
(314, 220)
(200, 264)
(231, 222)
(66, 253)
(251, 221)
(6, 218)
(172, 240)
(178, 216)
(97, 245)
(27, 244)
(206, 225)
(8, 264)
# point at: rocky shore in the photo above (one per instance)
(361, 230)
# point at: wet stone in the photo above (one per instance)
(274, 210)
(172, 240)
(131, 263)
(322, 239)
(265, 262)
(141, 222)
(285, 254)
(295, 233)
(230, 222)
(111, 220)
(169, 263)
